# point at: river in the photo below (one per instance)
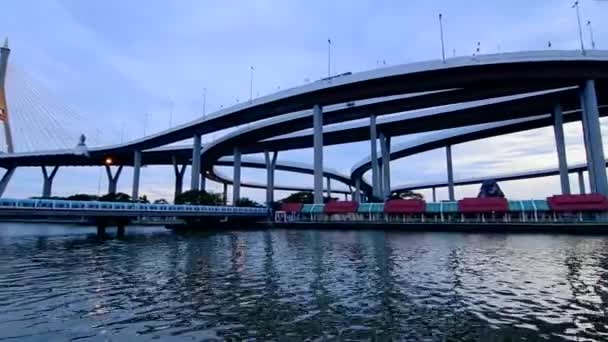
(63, 283)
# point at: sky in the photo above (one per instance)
(116, 70)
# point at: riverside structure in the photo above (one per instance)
(467, 98)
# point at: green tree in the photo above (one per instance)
(116, 197)
(305, 197)
(82, 197)
(199, 197)
(161, 201)
(407, 194)
(246, 202)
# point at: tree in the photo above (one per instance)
(305, 197)
(407, 194)
(161, 201)
(246, 202)
(199, 197)
(115, 197)
(82, 197)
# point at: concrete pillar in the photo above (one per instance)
(47, 184)
(236, 185)
(558, 129)
(225, 192)
(374, 155)
(179, 176)
(271, 162)
(346, 197)
(358, 190)
(594, 138)
(586, 142)
(385, 147)
(448, 156)
(434, 195)
(120, 231)
(196, 163)
(328, 181)
(6, 178)
(113, 179)
(8, 136)
(581, 183)
(136, 173)
(317, 114)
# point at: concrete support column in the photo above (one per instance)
(179, 171)
(374, 156)
(448, 156)
(113, 179)
(434, 195)
(6, 178)
(586, 142)
(558, 129)
(358, 190)
(47, 184)
(225, 193)
(236, 185)
(8, 135)
(271, 162)
(317, 114)
(385, 147)
(196, 163)
(328, 181)
(136, 173)
(599, 183)
(581, 183)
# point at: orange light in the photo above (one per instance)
(108, 161)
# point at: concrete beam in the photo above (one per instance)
(113, 179)
(318, 153)
(592, 131)
(558, 129)
(6, 178)
(136, 174)
(448, 156)
(196, 163)
(47, 184)
(236, 186)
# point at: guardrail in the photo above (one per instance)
(88, 206)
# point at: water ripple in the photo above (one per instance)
(62, 283)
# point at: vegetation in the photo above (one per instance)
(407, 194)
(161, 201)
(199, 197)
(115, 197)
(246, 202)
(305, 197)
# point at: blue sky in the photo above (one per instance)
(107, 67)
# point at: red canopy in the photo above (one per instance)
(589, 202)
(483, 205)
(343, 207)
(402, 206)
(292, 208)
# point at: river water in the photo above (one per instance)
(62, 283)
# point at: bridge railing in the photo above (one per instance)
(50, 204)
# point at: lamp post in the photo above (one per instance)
(441, 34)
(328, 58)
(580, 29)
(591, 34)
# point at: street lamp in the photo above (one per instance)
(580, 29)
(108, 161)
(328, 58)
(591, 34)
(441, 34)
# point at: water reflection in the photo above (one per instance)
(63, 283)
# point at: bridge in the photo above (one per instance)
(452, 101)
